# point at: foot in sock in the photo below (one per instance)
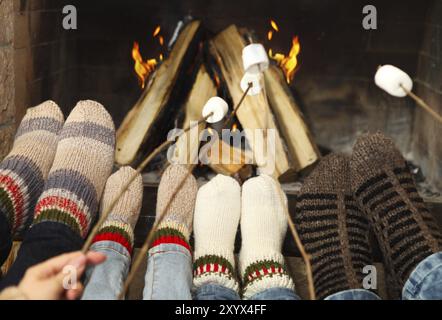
(384, 188)
(119, 225)
(263, 229)
(25, 169)
(82, 164)
(217, 214)
(332, 228)
(176, 224)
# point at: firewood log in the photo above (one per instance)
(154, 112)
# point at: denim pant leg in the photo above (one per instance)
(425, 282)
(169, 273)
(276, 294)
(214, 291)
(353, 294)
(105, 281)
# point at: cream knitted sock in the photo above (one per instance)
(263, 228)
(82, 164)
(176, 225)
(25, 169)
(119, 225)
(217, 213)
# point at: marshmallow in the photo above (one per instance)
(255, 58)
(389, 78)
(219, 108)
(255, 79)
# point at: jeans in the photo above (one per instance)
(169, 273)
(105, 281)
(213, 291)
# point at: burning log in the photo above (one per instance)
(299, 142)
(226, 48)
(155, 108)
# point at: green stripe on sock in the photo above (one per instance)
(58, 216)
(8, 206)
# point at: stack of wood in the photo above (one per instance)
(187, 79)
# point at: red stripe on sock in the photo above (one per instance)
(116, 237)
(64, 204)
(17, 198)
(171, 240)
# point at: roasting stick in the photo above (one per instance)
(423, 104)
(140, 168)
(255, 62)
(399, 84)
(213, 110)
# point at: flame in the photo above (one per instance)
(156, 31)
(270, 35)
(288, 63)
(142, 68)
(274, 25)
(161, 40)
(234, 127)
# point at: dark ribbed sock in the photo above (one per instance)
(384, 188)
(332, 228)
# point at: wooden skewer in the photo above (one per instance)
(423, 104)
(232, 114)
(305, 256)
(140, 168)
(144, 249)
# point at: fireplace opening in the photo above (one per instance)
(119, 46)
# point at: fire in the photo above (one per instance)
(287, 63)
(234, 127)
(142, 68)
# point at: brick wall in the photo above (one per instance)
(7, 94)
(427, 132)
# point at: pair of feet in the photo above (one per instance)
(259, 208)
(344, 198)
(57, 170)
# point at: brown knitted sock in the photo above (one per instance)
(384, 187)
(332, 228)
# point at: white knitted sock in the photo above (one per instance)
(263, 228)
(217, 213)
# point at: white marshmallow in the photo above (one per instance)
(255, 58)
(255, 79)
(219, 108)
(390, 79)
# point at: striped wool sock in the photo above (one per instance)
(384, 188)
(119, 225)
(83, 162)
(332, 228)
(176, 226)
(217, 213)
(263, 229)
(26, 167)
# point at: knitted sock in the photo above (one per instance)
(217, 213)
(384, 187)
(119, 225)
(83, 162)
(332, 228)
(26, 167)
(263, 229)
(176, 225)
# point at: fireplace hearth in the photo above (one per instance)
(332, 85)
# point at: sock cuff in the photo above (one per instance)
(170, 235)
(265, 273)
(116, 231)
(214, 268)
(180, 227)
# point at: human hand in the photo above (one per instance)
(47, 280)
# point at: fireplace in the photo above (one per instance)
(333, 84)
